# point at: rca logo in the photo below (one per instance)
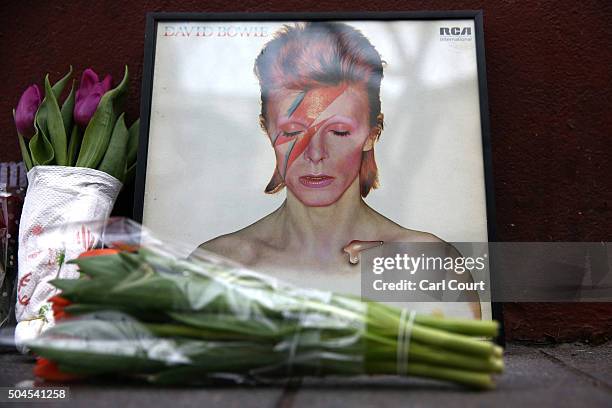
(456, 31)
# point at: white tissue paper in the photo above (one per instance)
(58, 202)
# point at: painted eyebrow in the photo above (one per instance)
(283, 120)
(339, 119)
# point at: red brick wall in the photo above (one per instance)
(548, 68)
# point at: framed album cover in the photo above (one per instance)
(291, 142)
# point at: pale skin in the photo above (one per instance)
(308, 236)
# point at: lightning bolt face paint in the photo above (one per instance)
(306, 108)
(318, 138)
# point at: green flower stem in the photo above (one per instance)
(469, 378)
(470, 327)
(383, 349)
(440, 357)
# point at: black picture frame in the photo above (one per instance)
(152, 20)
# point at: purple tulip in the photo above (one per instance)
(88, 96)
(26, 111)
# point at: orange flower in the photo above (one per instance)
(49, 371)
(99, 252)
(58, 304)
(125, 247)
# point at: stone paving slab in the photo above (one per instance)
(595, 362)
(530, 380)
(561, 376)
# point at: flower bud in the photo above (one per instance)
(88, 96)
(26, 111)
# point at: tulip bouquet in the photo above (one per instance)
(88, 130)
(139, 310)
(78, 151)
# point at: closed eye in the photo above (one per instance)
(292, 129)
(291, 134)
(340, 129)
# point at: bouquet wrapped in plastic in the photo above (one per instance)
(139, 310)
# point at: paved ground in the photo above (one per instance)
(568, 375)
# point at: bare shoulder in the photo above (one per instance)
(243, 246)
(235, 246)
(391, 231)
(408, 235)
(402, 234)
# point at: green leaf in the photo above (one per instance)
(66, 285)
(67, 109)
(40, 146)
(131, 260)
(122, 354)
(55, 125)
(114, 162)
(75, 309)
(130, 174)
(59, 86)
(86, 290)
(228, 323)
(112, 266)
(25, 151)
(132, 152)
(98, 133)
(74, 146)
(132, 148)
